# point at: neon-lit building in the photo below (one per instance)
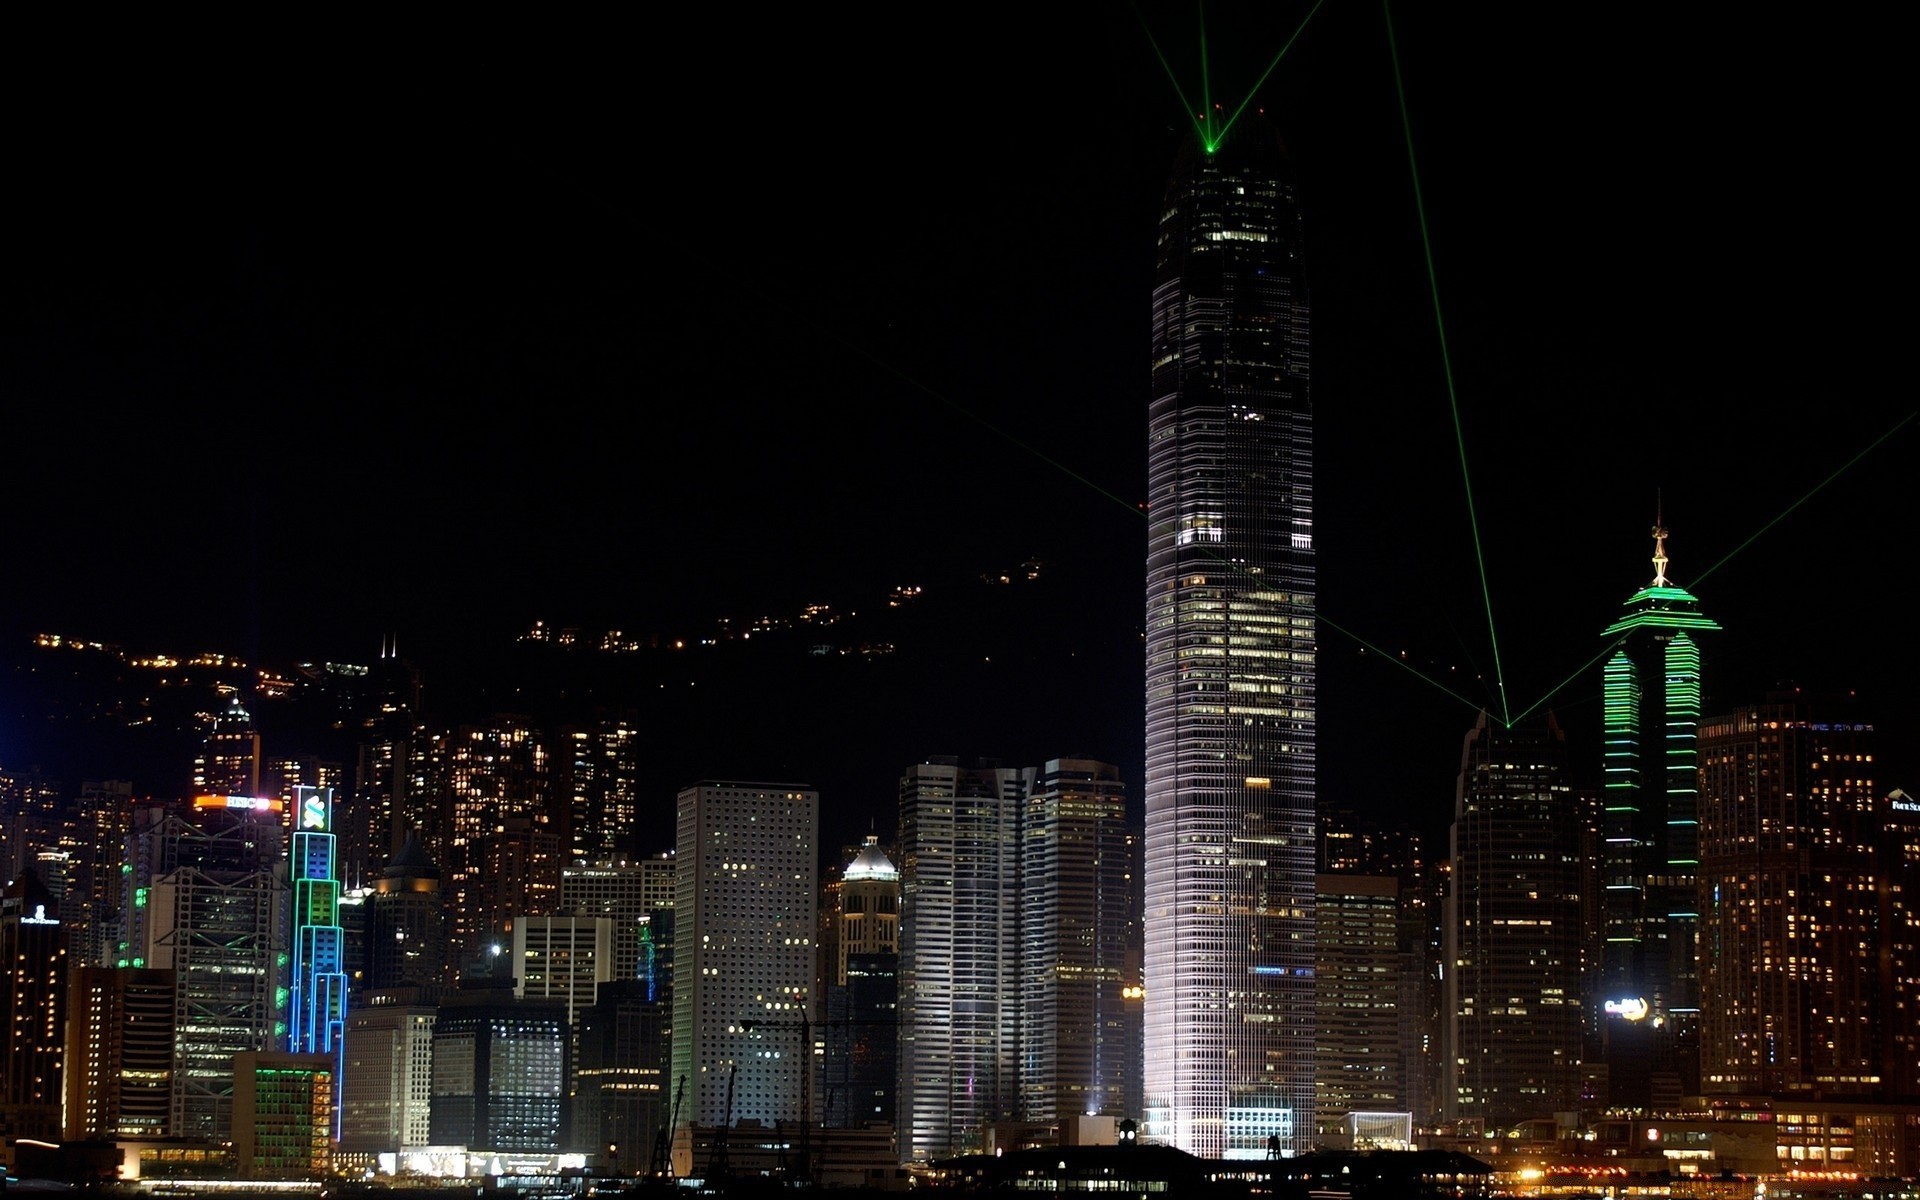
(317, 1011)
(1230, 699)
(1649, 912)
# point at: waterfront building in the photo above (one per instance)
(119, 1061)
(499, 1072)
(1358, 959)
(1513, 1037)
(283, 1114)
(33, 1009)
(1230, 643)
(1651, 691)
(745, 924)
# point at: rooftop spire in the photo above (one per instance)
(1660, 559)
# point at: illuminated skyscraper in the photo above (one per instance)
(33, 1009)
(745, 922)
(1650, 914)
(1230, 660)
(1513, 1032)
(861, 957)
(1807, 968)
(318, 989)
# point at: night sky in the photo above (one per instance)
(431, 332)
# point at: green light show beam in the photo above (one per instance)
(1206, 85)
(1446, 362)
(1844, 468)
(1261, 82)
(1396, 660)
(1199, 130)
(1582, 669)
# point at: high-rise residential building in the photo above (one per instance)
(499, 1071)
(386, 1100)
(1651, 692)
(1802, 864)
(861, 944)
(1079, 1038)
(745, 923)
(119, 1053)
(33, 1010)
(393, 780)
(503, 855)
(959, 953)
(1230, 705)
(207, 894)
(597, 778)
(317, 983)
(1357, 996)
(1512, 1040)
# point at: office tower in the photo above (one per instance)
(861, 938)
(628, 893)
(1651, 694)
(959, 954)
(317, 988)
(502, 848)
(1357, 1000)
(406, 925)
(105, 811)
(33, 1009)
(1230, 660)
(1796, 854)
(391, 791)
(283, 1114)
(119, 1053)
(1079, 1039)
(228, 763)
(386, 1098)
(1900, 919)
(499, 1072)
(597, 778)
(620, 1093)
(1514, 1025)
(208, 901)
(744, 925)
(563, 959)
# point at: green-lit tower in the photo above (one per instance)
(1651, 692)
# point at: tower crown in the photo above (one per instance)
(1661, 604)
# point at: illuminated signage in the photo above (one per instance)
(253, 803)
(313, 809)
(39, 917)
(1632, 1010)
(1905, 805)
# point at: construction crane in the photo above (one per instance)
(662, 1165)
(718, 1168)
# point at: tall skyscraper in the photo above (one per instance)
(1230, 660)
(745, 920)
(318, 983)
(119, 1053)
(1797, 856)
(406, 925)
(1650, 914)
(1512, 1039)
(1079, 1038)
(861, 962)
(959, 954)
(33, 1010)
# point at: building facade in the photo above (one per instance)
(745, 922)
(1651, 692)
(1230, 703)
(1358, 960)
(317, 988)
(119, 1064)
(1514, 1033)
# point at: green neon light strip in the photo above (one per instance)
(1260, 82)
(1844, 468)
(1446, 362)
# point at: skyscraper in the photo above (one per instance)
(1797, 857)
(318, 985)
(1513, 1030)
(1230, 660)
(745, 921)
(1651, 694)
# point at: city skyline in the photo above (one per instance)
(369, 341)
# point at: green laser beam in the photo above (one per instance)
(1843, 469)
(1446, 360)
(1582, 669)
(1198, 130)
(1397, 661)
(1260, 82)
(1206, 82)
